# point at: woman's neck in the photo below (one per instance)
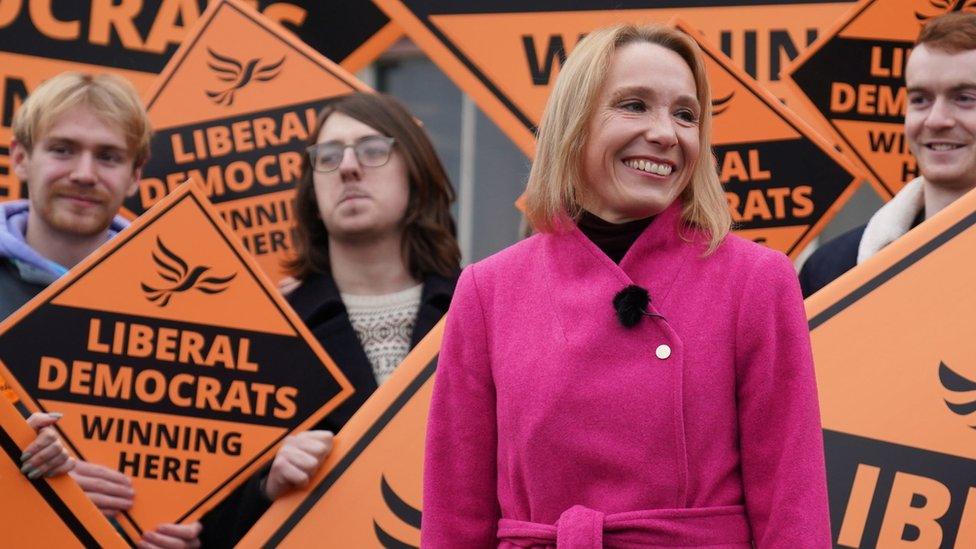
(614, 239)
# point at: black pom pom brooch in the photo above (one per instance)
(630, 304)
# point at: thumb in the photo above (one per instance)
(40, 420)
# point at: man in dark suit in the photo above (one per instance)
(940, 126)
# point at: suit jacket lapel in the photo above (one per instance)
(318, 303)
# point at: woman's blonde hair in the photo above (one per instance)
(555, 182)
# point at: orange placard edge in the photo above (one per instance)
(791, 118)
(63, 495)
(364, 426)
(455, 69)
(286, 36)
(786, 73)
(372, 48)
(891, 260)
(191, 190)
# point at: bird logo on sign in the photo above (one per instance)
(722, 104)
(239, 74)
(961, 388)
(182, 278)
(946, 6)
(407, 513)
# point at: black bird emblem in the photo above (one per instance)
(239, 74)
(721, 104)
(946, 6)
(172, 268)
(956, 384)
(404, 511)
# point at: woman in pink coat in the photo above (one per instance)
(633, 375)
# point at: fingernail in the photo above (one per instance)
(33, 474)
(56, 414)
(26, 469)
(26, 456)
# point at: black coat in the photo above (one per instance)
(318, 304)
(14, 290)
(829, 261)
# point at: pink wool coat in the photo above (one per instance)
(553, 425)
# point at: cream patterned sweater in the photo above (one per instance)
(384, 324)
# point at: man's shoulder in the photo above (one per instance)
(14, 290)
(830, 261)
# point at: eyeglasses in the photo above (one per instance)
(372, 151)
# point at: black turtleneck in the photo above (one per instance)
(613, 238)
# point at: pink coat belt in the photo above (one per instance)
(583, 528)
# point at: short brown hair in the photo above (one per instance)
(552, 196)
(953, 32)
(111, 98)
(429, 245)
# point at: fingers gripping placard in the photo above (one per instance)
(175, 361)
(43, 512)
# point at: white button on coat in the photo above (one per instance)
(663, 351)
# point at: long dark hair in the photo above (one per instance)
(429, 245)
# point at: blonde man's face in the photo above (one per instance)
(78, 173)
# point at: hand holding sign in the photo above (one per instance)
(172, 536)
(109, 490)
(46, 455)
(112, 492)
(368, 492)
(44, 512)
(297, 461)
(201, 425)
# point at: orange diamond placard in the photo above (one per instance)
(367, 493)
(854, 76)
(506, 55)
(233, 109)
(173, 359)
(896, 369)
(43, 512)
(783, 182)
(135, 39)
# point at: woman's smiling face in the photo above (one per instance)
(643, 138)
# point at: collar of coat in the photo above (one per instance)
(893, 220)
(652, 262)
(318, 296)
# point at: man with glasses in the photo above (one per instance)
(375, 265)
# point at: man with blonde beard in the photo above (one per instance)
(80, 142)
